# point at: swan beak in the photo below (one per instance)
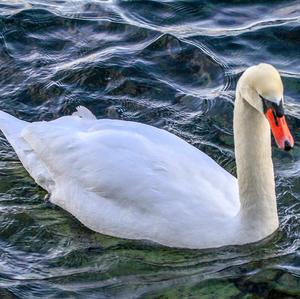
(280, 129)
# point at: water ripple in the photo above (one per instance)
(175, 68)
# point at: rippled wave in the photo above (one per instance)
(171, 64)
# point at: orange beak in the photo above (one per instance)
(280, 130)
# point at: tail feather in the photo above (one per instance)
(12, 128)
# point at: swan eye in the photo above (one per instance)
(277, 109)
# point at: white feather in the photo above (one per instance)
(83, 112)
(119, 178)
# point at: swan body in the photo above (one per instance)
(131, 180)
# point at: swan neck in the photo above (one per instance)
(255, 172)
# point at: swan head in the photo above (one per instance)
(262, 88)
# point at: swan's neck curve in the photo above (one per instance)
(255, 172)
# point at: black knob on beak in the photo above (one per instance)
(277, 108)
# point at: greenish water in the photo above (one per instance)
(171, 64)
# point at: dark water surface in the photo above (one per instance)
(171, 64)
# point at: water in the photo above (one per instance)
(170, 64)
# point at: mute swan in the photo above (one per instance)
(135, 181)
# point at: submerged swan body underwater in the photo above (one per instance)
(135, 181)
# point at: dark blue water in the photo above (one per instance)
(170, 64)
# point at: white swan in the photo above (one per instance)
(135, 181)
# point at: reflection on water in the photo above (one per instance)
(171, 64)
